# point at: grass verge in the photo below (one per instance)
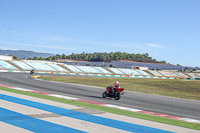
(111, 110)
(174, 88)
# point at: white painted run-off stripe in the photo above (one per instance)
(123, 108)
(65, 97)
(190, 120)
(21, 89)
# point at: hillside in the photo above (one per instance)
(107, 57)
(24, 54)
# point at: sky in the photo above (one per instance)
(166, 29)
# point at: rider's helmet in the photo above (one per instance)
(116, 82)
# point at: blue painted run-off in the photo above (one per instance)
(86, 117)
(33, 124)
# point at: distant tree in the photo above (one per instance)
(186, 68)
(103, 65)
(35, 58)
(163, 61)
(64, 56)
(112, 56)
(111, 65)
(54, 58)
(15, 57)
(87, 64)
(95, 65)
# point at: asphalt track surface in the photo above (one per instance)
(160, 104)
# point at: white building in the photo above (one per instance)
(5, 57)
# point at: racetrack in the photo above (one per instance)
(159, 104)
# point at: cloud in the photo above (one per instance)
(33, 45)
(153, 45)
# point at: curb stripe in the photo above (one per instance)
(86, 101)
(160, 115)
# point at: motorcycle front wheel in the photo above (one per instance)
(104, 95)
(117, 96)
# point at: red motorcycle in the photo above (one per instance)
(116, 94)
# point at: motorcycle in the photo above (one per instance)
(32, 71)
(116, 94)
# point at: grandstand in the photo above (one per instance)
(155, 73)
(102, 70)
(73, 68)
(6, 65)
(46, 66)
(166, 73)
(130, 71)
(40, 66)
(143, 73)
(121, 64)
(58, 68)
(88, 69)
(178, 74)
(116, 71)
(194, 75)
(1, 67)
(22, 65)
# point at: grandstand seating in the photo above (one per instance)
(129, 71)
(22, 65)
(155, 73)
(88, 69)
(126, 71)
(55, 66)
(102, 70)
(198, 74)
(116, 71)
(40, 66)
(166, 73)
(193, 75)
(73, 68)
(1, 67)
(178, 74)
(46, 66)
(143, 73)
(6, 65)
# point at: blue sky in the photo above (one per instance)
(166, 29)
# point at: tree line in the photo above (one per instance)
(102, 57)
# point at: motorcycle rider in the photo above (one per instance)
(33, 70)
(115, 86)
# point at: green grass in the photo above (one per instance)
(111, 110)
(189, 89)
